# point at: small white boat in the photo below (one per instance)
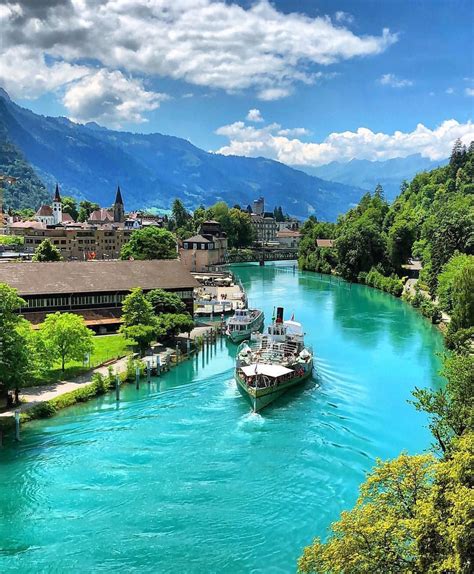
(243, 323)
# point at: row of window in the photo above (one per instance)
(187, 245)
(86, 300)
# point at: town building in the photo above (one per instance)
(93, 289)
(258, 206)
(288, 238)
(51, 214)
(265, 227)
(101, 237)
(208, 248)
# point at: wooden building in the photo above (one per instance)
(93, 289)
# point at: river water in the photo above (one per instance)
(181, 477)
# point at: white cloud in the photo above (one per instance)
(341, 16)
(294, 132)
(450, 91)
(394, 82)
(110, 98)
(469, 92)
(210, 43)
(254, 115)
(270, 141)
(24, 73)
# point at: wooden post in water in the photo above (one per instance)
(117, 388)
(137, 377)
(17, 425)
(188, 346)
(158, 365)
(1, 438)
(148, 371)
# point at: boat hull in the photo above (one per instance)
(260, 398)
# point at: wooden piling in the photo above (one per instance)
(17, 425)
(117, 388)
(137, 377)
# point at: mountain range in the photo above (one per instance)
(89, 161)
(367, 174)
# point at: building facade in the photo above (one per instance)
(205, 250)
(264, 226)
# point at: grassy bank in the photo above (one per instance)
(106, 348)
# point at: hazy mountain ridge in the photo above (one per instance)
(367, 174)
(152, 169)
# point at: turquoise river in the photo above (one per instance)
(181, 477)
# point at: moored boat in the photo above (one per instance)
(243, 323)
(273, 362)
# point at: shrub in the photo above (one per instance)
(374, 278)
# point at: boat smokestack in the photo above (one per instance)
(279, 318)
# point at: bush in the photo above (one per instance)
(374, 278)
(460, 341)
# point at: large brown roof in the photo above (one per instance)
(45, 210)
(95, 276)
(325, 242)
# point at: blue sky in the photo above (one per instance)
(360, 70)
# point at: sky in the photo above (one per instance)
(305, 82)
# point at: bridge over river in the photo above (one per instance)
(261, 255)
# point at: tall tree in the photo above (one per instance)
(179, 213)
(165, 302)
(70, 206)
(46, 251)
(66, 337)
(150, 243)
(139, 320)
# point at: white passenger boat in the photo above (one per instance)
(243, 323)
(273, 362)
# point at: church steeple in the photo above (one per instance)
(57, 197)
(119, 211)
(57, 207)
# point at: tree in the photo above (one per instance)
(449, 274)
(46, 251)
(379, 533)
(70, 206)
(172, 324)
(413, 515)
(179, 213)
(139, 320)
(165, 302)
(15, 355)
(85, 209)
(463, 298)
(66, 337)
(150, 243)
(400, 242)
(451, 409)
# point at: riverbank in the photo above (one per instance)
(40, 401)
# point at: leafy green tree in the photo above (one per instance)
(46, 251)
(450, 271)
(463, 298)
(444, 527)
(15, 356)
(451, 409)
(139, 320)
(70, 206)
(66, 337)
(165, 302)
(85, 209)
(150, 243)
(171, 324)
(179, 213)
(360, 247)
(379, 533)
(400, 242)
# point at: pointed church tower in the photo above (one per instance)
(119, 211)
(57, 207)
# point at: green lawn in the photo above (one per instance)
(106, 348)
